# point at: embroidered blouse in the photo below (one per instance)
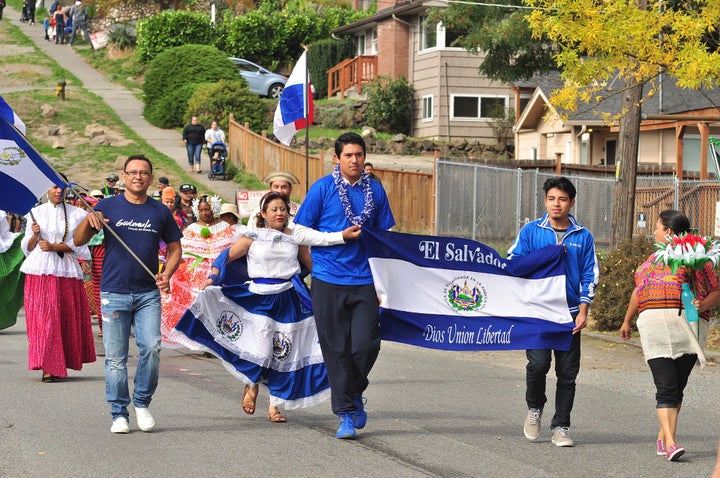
(659, 288)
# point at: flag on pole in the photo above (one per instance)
(7, 113)
(295, 109)
(24, 175)
(456, 294)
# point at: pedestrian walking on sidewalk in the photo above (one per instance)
(194, 138)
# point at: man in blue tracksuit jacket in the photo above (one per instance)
(558, 226)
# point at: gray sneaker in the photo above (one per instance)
(531, 428)
(561, 437)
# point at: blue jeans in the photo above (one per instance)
(567, 366)
(193, 153)
(80, 26)
(119, 312)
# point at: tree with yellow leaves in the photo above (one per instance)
(636, 41)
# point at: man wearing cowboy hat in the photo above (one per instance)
(280, 182)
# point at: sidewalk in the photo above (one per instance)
(126, 105)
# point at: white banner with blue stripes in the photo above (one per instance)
(457, 294)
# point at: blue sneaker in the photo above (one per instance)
(360, 415)
(346, 429)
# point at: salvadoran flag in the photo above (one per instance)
(8, 114)
(291, 114)
(456, 294)
(24, 175)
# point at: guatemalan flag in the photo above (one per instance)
(24, 175)
(456, 294)
(295, 110)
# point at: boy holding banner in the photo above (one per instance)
(343, 295)
(558, 226)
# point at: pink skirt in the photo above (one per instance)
(58, 324)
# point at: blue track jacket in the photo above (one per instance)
(581, 265)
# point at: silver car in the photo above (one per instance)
(261, 81)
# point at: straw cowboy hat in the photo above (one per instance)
(286, 176)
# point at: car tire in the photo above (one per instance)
(275, 90)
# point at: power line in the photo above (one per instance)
(499, 5)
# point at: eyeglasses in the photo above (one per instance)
(143, 174)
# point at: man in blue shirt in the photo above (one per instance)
(130, 287)
(344, 300)
(558, 226)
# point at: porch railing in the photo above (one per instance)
(353, 72)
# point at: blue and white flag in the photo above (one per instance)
(24, 175)
(8, 114)
(295, 109)
(456, 294)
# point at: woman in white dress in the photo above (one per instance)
(56, 305)
(263, 330)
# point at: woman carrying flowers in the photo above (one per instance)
(670, 344)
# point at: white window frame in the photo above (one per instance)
(373, 41)
(428, 108)
(478, 117)
(422, 30)
(440, 37)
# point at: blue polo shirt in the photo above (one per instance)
(343, 264)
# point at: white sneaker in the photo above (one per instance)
(531, 427)
(120, 425)
(561, 437)
(146, 422)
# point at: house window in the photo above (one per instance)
(428, 34)
(434, 35)
(427, 103)
(373, 41)
(478, 107)
(360, 44)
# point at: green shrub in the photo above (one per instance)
(390, 104)
(169, 110)
(176, 68)
(172, 28)
(322, 56)
(215, 102)
(122, 35)
(335, 115)
(617, 281)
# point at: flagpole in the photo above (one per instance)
(77, 193)
(308, 92)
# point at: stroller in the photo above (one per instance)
(218, 154)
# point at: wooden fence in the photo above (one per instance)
(696, 200)
(411, 194)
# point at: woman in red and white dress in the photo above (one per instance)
(56, 305)
(202, 242)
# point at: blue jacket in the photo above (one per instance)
(581, 265)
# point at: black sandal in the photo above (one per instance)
(48, 378)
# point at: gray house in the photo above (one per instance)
(452, 100)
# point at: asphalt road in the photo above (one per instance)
(431, 413)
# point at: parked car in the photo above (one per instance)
(261, 81)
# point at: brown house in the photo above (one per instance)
(452, 100)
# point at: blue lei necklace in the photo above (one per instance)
(369, 205)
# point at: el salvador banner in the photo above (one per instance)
(457, 294)
(24, 175)
(290, 114)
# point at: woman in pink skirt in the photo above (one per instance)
(56, 305)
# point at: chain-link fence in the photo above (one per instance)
(491, 204)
